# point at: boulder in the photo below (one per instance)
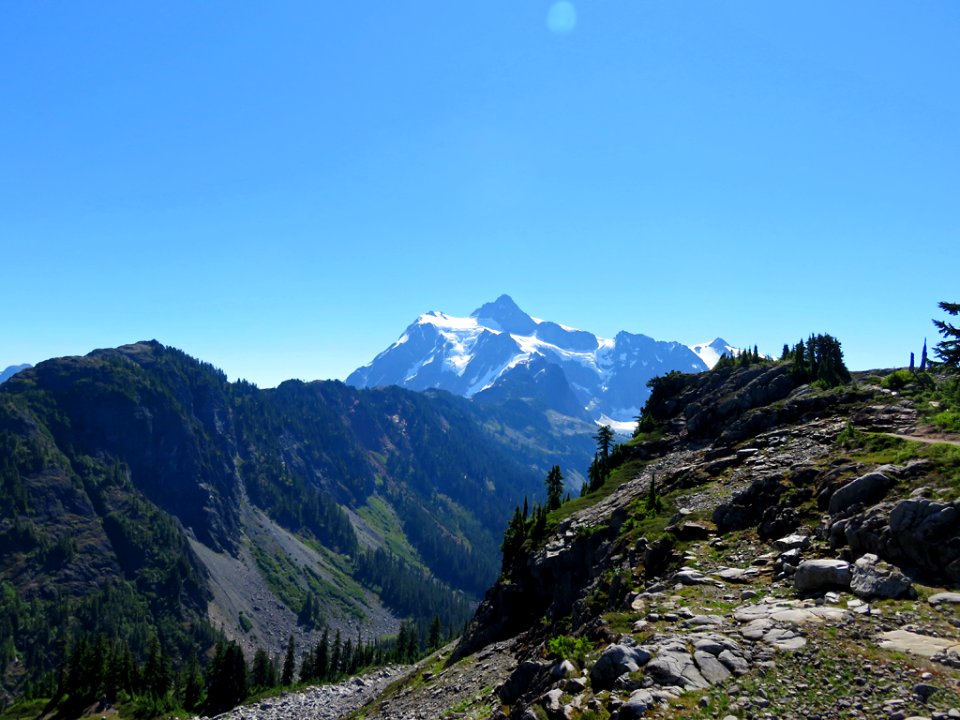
(873, 578)
(710, 667)
(615, 661)
(817, 575)
(673, 665)
(865, 490)
(637, 705)
(792, 542)
(520, 680)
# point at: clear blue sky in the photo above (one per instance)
(280, 188)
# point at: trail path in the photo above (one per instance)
(924, 439)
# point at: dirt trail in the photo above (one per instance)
(929, 440)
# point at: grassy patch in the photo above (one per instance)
(24, 709)
(384, 521)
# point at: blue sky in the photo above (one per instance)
(280, 188)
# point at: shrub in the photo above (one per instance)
(897, 380)
(568, 648)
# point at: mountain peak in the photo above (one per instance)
(504, 314)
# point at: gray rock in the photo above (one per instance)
(944, 597)
(519, 680)
(734, 661)
(564, 669)
(673, 665)
(637, 705)
(550, 701)
(865, 490)
(917, 533)
(614, 662)
(873, 578)
(816, 575)
(792, 542)
(689, 576)
(710, 667)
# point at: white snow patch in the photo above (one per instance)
(710, 354)
(621, 427)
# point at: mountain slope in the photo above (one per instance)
(499, 345)
(770, 552)
(138, 481)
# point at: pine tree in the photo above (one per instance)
(948, 349)
(434, 639)
(554, 485)
(321, 660)
(286, 677)
(604, 438)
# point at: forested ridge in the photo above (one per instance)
(111, 461)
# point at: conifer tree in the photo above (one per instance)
(286, 678)
(434, 640)
(321, 662)
(948, 349)
(554, 484)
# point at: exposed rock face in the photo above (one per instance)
(917, 534)
(873, 578)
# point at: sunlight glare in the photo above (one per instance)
(562, 18)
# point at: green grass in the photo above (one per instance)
(618, 477)
(24, 709)
(384, 521)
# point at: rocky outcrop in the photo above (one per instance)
(917, 534)
(873, 578)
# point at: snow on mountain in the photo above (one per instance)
(711, 352)
(501, 352)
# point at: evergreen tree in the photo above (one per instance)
(513, 538)
(156, 673)
(554, 484)
(948, 349)
(263, 674)
(321, 660)
(226, 679)
(336, 656)
(192, 684)
(286, 678)
(434, 640)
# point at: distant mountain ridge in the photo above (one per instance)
(500, 349)
(12, 370)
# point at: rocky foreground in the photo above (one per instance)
(803, 570)
(322, 702)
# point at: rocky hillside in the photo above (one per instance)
(142, 495)
(768, 549)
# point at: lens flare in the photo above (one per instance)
(562, 18)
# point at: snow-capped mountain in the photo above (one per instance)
(711, 352)
(500, 353)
